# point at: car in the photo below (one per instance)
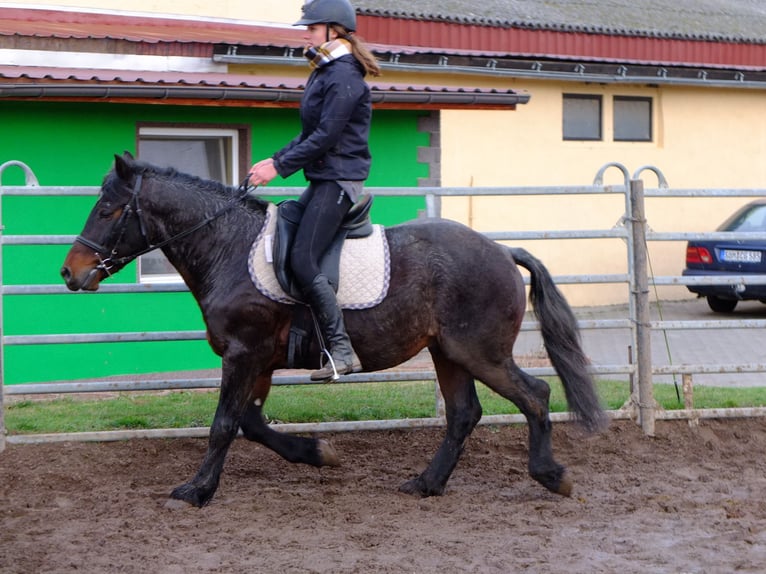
(739, 257)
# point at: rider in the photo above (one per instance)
(332, 150)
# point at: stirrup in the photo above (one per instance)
(323, 374)
(335, 376)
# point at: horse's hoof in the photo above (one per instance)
(189, 495)
(556, 480)
(328, 456)
(418, 487)
(176, 504)
(412, 487)
(565, 486)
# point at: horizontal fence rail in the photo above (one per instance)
(639, 367)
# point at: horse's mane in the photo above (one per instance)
(189, 181)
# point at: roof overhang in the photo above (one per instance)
(187, 88)
(496, 65)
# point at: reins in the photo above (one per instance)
(107, 264)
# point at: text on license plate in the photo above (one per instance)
(740, 256)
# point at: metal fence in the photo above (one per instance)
(632, 230)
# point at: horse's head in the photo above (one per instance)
(114, 233)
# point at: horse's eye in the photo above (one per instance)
(105, 212)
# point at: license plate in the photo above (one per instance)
(740, 256)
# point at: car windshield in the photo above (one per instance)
(750, 218)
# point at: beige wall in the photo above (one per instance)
(703, 138)
(280, 11)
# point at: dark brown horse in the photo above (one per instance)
(451, 290)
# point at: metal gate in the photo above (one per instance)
(632, 230)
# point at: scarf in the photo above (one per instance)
(327, 52)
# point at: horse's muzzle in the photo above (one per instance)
(81, 270)
(85, 281)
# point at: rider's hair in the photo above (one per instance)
(359, 49)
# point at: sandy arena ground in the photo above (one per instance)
(690, 500)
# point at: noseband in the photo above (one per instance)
(132, 207)
(117, 232)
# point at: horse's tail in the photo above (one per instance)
(561, 337)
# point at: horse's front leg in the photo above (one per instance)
(316, 452)
(236, 390)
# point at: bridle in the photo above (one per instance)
(131, 207)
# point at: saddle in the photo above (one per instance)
(356, 224)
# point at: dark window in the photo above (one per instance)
(632, 119)
(582, 117)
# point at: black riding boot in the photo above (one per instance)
(321, 297)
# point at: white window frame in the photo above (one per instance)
(190, 133)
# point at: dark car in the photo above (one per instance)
(731, 257)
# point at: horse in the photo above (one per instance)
(452, 290)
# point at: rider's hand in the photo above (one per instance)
(262, 172)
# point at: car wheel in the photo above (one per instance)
(721, 305)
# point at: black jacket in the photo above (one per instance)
(335, 120)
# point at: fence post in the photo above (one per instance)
(31, 181)
(640, 295)
(2, 364)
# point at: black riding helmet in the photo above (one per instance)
(328, 12)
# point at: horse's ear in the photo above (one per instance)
(122, 165)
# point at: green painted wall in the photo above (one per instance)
(69, 144)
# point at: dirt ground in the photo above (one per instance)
(690, 500)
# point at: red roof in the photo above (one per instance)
(391, 34)
(147, 77)
(407, 35)
(62, 24)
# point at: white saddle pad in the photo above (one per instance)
(365, 267)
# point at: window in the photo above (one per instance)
(632, 119)
(210, 153)
(582, 117)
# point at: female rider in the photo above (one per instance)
(333, 153)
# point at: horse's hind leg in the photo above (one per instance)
(463, 411)
(531, 395)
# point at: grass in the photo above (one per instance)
(312, 403)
